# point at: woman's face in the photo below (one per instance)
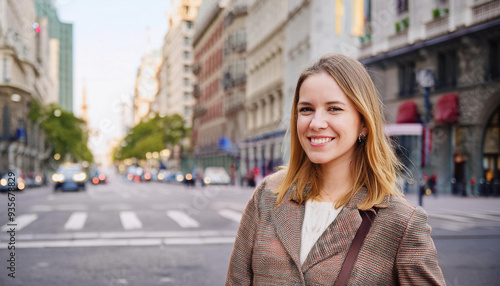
(328, 124)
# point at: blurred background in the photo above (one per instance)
(166, 114)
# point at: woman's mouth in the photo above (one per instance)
(320, 141)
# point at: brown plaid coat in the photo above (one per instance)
(397, 250)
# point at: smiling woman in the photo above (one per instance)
(314, 223)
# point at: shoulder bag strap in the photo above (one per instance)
(357, 242)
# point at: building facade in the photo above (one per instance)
(175, 77)
(436, 66)
(314, 28)
(61, 52)
(234, 82)
(146, 85)
(260, 152)
(209, 121)
(24, 58)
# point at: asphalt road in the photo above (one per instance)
(161, 234)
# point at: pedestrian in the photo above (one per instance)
(302, 222)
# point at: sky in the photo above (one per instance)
(109, 39)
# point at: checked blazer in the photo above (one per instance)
(398, 250)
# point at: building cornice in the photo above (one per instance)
(430, 42)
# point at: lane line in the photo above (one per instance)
(76, 221)
(182, 219)
(230, 214)
(21, 222)
(130, 220)
(121, 242)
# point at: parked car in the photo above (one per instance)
(69, 177)
(11, 177)
(216, 176)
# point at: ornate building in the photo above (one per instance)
(24, 70)
(175, 77)
(264, 102)
(209, 121)
(436, 65)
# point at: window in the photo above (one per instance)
(447, 70)
(186, 55)
(406, 76)
(186, 41)
(186, 9)
(189, 24)
(402, 6)
(494, 61)
(186, 82)
(186, 96)
(186, 68)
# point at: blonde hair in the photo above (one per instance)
(375, 164)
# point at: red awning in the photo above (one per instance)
(407, 113)
(446, 110)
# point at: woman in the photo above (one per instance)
(298, 226)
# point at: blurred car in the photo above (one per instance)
(98, 177)
(190, 179)
(8, 177)
(69, 177)
(216, 176)
(174, 177)
(134, 174)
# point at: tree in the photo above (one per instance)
(152, 135)
(64, 132)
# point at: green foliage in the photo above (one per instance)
(435, 13)
(405, 22)
(66, 133)
(398, 27)
(152, 135)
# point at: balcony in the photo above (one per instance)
(196, 91)
(485, 12)
(437, 27)
(199, 111)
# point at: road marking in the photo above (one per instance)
(130, 220)
(41, 208)
(121, 242)
(115, 207)
(21, 222)
(450, 217)
(230, 214)
(76, 221)
(182, 219)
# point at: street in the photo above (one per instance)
(154, 233)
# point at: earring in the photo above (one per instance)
(361, 137)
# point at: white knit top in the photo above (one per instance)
(318, 216)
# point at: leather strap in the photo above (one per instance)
(357, 242)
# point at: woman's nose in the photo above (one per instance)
(318, 122)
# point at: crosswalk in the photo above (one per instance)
(129, 220)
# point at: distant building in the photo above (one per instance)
(314, 28)
(146, 85)
(266, 25)
(61, 52)
(452, 128)
(24, 66)
(175, 76)
(234, 80)
(209, 121)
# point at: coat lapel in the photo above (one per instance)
(287, 218)
(337, 238)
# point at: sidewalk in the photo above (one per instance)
(461, 217)
(449, 202)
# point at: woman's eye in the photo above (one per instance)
(305, 109)
(333, 108)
